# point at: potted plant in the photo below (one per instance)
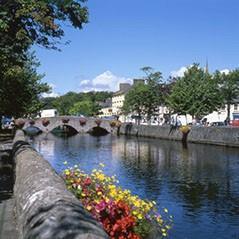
(19, 123)
(82, 121)
(45, 122)
(65, 120)
(98, 122)
(31, 122)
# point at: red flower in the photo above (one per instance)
(87, 182)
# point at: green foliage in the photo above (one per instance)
(229, 87)
(135, 100)
(65, 104)
(26, 22)
(144, 99)
(85, 108)
(196, 93)
(20, 90)
(22, 24)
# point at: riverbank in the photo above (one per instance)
(225, 136)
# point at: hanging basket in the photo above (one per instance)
(82, 121)
(45, 122)
(65, 120)
(118, 123)
(113, 123)
(184, 129)
(19, 123)
(98, 122)
(32, 122)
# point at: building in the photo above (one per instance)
(118, 100)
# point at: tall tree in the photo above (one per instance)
(27, 22)
(85, 108)
(20, 90)
(145, 98)
(65, 102)
(22, 24)
(135, 101)
(229, 87)
(154, 97)
(196, 93)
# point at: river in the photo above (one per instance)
(199, 184)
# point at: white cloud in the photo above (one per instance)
(225, 71)
(106, 81)
(179, 73)
(52, 94)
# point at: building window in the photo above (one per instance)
(235, 106)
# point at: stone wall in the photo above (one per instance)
(45, 209)
(227, 136)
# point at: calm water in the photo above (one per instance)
(199, 185)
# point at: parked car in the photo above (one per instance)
(218, 123)
(235, 122)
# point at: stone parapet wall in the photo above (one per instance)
(227, 136)
(45, 209)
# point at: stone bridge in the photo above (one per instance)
(80, 124)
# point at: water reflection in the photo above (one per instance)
(199, 184)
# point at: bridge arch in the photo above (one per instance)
(48, 124)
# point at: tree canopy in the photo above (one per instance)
(144, 99)
(229, 87)
(196, 93)
(71, 102)
(22, 24)
(20, 90)
(85, 108)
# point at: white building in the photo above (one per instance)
(221, 114)
(119, 97)
(106, 112)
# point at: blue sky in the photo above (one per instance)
(123, 36)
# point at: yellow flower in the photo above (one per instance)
(139, 216)
(67, 172)
(166, 210)
(88, 207)
(65, 162)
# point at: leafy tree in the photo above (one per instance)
(229, 87)
(64, 103)
(196, 93)
(27, 22)
(48, 102)
(135, 100)
(154, 97)
(144, 99)
(82, 107)
(22, 24)
(20, 90)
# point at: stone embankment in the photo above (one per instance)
(226, 136)
(45, 209)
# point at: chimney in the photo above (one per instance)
(138, 81)
(124, 86)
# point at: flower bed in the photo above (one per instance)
(122, 214)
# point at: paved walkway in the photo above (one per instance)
(8, 228)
